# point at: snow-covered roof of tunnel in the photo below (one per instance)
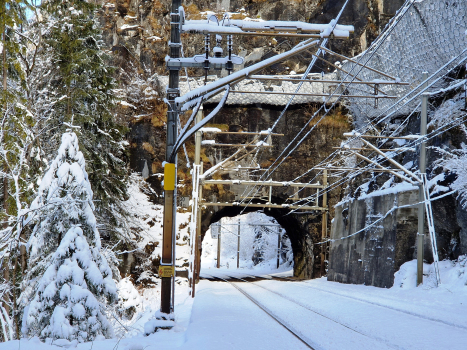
(315, 87)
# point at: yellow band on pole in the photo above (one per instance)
(169, 177)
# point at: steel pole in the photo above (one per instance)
(197, 260)
(421, 205)
(278, 246)
(166, 271)
(198, 136)
(324, 224)
(238, 245)
(465, 90)
(198, 230)
(219, 250)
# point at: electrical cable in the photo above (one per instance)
(433, 82)
(454, 123)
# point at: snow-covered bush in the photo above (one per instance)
(69, 280)
(129, 300)
(6, 326)
(69, 299)
(451, 159)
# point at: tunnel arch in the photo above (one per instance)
(297, 227)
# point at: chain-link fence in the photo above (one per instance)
(425, 36)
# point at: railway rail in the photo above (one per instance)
(342, 326)
(432, 319)
(305, 340)
(411, 313)
(308, 343)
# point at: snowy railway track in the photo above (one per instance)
(295, 333)
(319, 313)
(432, 319)
(309, 343)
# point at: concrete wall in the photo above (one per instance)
(372, 256)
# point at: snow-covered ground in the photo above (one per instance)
(328, 315)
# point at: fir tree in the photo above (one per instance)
(16, 146)
(69, 281)
(79, 90)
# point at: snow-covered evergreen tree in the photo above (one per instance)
(76, 87)
(69, 281)
(16, 164)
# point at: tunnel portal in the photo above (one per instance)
(300, 228)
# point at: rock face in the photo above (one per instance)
(449, 212)
(142, 28)
(372, 256)
(137, 33)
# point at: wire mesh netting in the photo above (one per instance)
(425, 36)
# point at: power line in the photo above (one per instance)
(268, 172)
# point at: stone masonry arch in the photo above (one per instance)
(303, 229)
(299, 228)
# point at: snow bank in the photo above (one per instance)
(400, 187)
(453, 275)
(130, 301)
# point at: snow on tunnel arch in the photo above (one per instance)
(258, 244)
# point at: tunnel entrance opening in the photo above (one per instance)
(252, 241)
(299, 227)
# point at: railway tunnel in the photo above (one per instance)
(303, 228)
(299, 227)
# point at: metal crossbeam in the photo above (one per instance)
(220, 31)
(254, 205)
(384, 168)
(358, 63)
(274, 78)
(239, 76)
(260, 183)
(407, 137)
(245, 133)
(345, 72)
(252, 169)
(234, 145)
(353, 169)
(200, 61)
(393, 162)
(403, 149)
(272, 28)
(307, 94)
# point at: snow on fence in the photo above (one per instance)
(424, 36)
(274, 99)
